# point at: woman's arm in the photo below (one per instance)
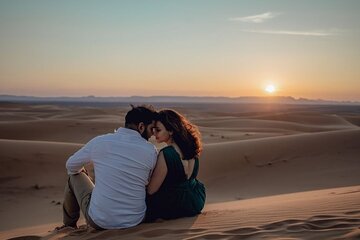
(158, 175)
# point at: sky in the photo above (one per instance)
(308, 48)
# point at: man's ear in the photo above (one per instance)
(141, 127)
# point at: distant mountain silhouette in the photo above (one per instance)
(171, 99)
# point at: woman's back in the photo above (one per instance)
(179, 195)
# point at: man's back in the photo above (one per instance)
(122, 163)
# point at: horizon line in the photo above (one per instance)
(183, 96)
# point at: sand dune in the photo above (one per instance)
(79, 125)
(26, 163)
(270, 173)
(305, 117)
(322, 214)
(243, 169)
(32, 181)
(353, 119)
(272, 124)
(68, 130)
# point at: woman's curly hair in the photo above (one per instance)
(185, 134)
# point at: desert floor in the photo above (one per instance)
(271, 171)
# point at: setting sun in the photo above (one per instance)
(270, 88)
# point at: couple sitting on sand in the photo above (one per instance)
(134, 183)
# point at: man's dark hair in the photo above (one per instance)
(138, 114)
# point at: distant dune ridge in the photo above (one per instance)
(271, 171)
(165, 99)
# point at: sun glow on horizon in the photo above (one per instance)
(270, 88)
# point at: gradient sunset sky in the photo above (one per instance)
(308, 48)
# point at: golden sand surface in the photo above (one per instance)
(271, 171)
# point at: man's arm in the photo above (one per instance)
(79, 159)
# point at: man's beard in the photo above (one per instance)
(145, 135)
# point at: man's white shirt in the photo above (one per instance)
(123, 162)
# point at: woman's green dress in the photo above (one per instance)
(177, 196)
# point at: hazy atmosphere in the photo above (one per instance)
(191, 48)
(253, 132)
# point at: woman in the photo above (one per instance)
(173, 190)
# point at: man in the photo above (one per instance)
(122, 162)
